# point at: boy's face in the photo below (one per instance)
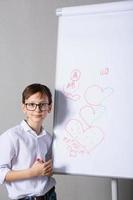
(36, 108)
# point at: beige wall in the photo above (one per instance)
(28, 38)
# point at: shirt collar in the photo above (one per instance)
(28, 129)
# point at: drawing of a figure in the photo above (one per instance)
(70, 89)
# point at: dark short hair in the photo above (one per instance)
(34, 88)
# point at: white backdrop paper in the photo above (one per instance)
(93, 121)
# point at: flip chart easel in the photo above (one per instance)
(93, 98)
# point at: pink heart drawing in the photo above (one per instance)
(79, 141)
(95, 94)
(90, 114)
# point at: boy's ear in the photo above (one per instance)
(50, 107)
(23, 107)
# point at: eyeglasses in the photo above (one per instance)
(33, 106)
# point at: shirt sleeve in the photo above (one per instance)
(7, 153)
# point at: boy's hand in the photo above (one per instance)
(41, 168)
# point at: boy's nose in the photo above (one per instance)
(38, 109)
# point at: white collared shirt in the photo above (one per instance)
(20, 146)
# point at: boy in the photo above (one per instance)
(25, 150)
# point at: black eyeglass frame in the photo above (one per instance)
(40, 105)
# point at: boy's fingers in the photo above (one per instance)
(48, 163)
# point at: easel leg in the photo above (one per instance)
(114, 186)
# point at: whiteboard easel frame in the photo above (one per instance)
(61, 12)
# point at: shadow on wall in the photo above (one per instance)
(61, 108)
(60, 113)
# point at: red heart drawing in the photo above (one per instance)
(80, 141)
(95, 94)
